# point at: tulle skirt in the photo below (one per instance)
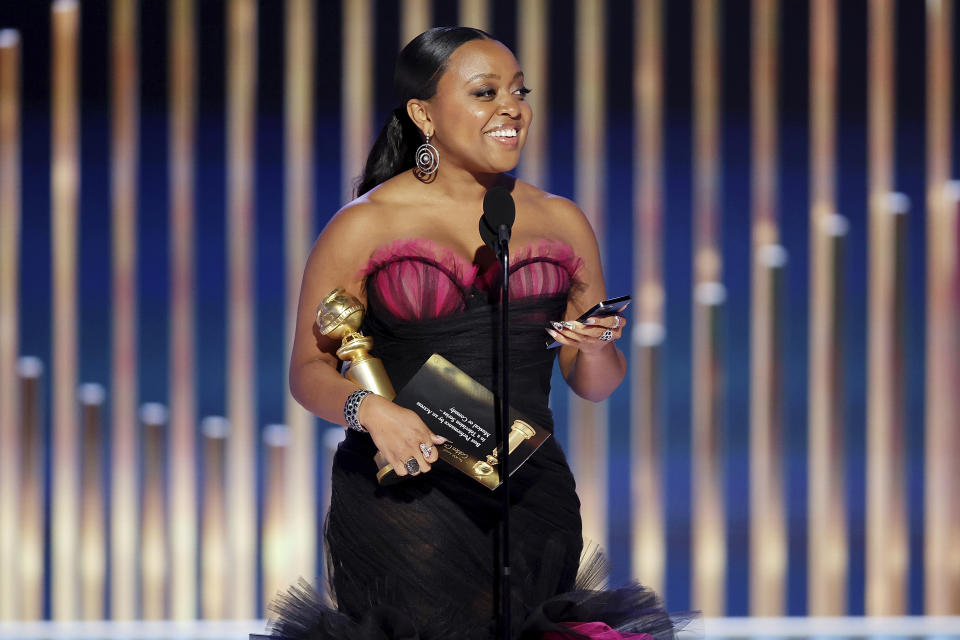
(416, 561)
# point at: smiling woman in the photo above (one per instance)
(478, 117)
(417, 559)
(451, 83)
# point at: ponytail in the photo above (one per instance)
(392, 153)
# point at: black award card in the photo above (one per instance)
(457, 407)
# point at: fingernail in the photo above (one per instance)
(591, 321)
(568, 325)
(558, 325)
(552, 333)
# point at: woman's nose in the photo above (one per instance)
(510, 106)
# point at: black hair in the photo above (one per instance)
(419, 67)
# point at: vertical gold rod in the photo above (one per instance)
(709, 536)
(588, 420)
(823, 107)
(826, 444)
(708, 265)
(241, 467)
(764, 80)
(31, 520)
(942, 504)
(475, 13)
(154, 549)
(276, 553)
(828, 561)
(123, 176)
(356, 108)
(65, 188)
(9, 322)
(648, 527)
(214, 556)
(299, 236)
(887, 544)
(93, 537)
(532, 50)
(648, 204)
(183, 375)
(768, 530)
(416, 16)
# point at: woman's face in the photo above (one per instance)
(478, 115)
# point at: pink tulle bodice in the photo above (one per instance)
(419, 279)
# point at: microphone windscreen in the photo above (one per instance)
(498, 209)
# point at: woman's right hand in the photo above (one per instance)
(398, 433)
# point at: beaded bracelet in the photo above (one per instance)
(352, 406)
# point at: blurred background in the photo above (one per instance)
(770, 180)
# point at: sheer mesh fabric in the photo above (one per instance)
(546, 267)
(418, 279)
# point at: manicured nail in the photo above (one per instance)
(558, 325)
(569, 325)
(552, 333)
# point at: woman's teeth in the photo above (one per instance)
(503, 133)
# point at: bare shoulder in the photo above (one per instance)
(349, 239)
(346, 233)
(364, 223)
(558, 207)
(351, 218)
(561, 215)
(561, 219)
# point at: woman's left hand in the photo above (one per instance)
(590, 337)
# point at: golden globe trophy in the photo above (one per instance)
(339, 316)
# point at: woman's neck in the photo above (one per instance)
(460, 185)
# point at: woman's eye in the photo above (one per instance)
(489, 93)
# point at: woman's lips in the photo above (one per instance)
(507, 137)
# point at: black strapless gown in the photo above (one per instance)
(416, 560)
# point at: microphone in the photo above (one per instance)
(499, 212)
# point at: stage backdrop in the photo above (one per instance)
(768, 179)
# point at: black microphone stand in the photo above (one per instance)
(503, 253)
